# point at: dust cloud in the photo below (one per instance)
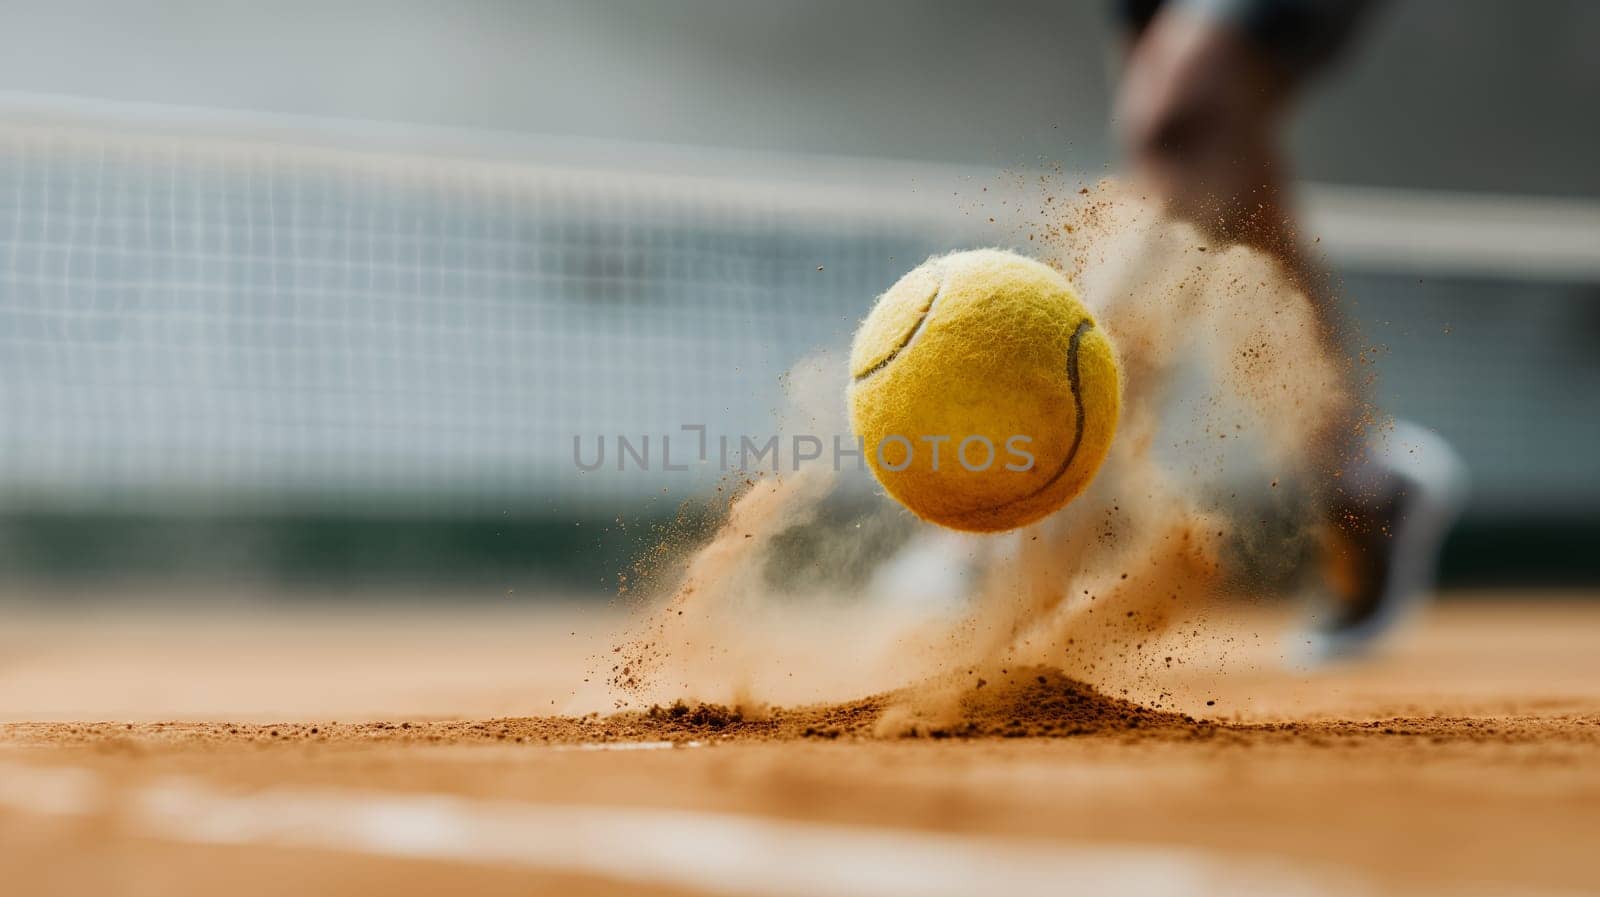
(1229, 392)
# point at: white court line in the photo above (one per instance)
(712, 853)
(624, 746)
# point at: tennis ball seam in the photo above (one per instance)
(1003, 356)
(911, 335)
(1074, 381)
(1074, 386)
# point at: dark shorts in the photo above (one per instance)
(1301, 35)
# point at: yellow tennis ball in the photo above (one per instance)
(983, 391)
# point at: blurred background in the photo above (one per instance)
(319, 294)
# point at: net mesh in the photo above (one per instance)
(185, 320)
(256, 323)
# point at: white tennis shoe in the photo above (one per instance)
(1384, 553)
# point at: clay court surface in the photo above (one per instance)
(431, 751)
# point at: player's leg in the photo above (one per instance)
(1207, 87)
(1199, 111)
